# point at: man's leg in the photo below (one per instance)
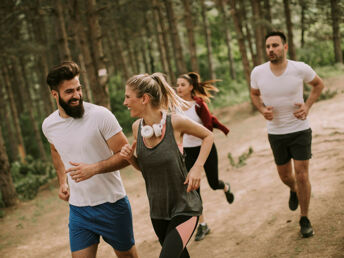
(285, 172)
(89, 252)
(132, 253)
(304, 194)
(303, 184)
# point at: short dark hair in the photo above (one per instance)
(277, 33)
(64, 71)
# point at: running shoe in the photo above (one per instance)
(202, 231)
(293, 201)
(229, 195)
(306, 227)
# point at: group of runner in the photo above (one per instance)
(173, 146)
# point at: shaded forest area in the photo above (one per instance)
(113, 40)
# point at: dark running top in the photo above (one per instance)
(163, 169)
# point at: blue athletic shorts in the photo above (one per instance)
(112, 221)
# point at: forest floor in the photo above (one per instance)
(258, 223)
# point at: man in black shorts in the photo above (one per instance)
(277, 92)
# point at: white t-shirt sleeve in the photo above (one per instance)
(308, 73)
(45, 130)
(108, 124)
(254, 84)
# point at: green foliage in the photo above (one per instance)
(330, 70)
(30, 143)
(319, 54)
(117, 90)
(231, 93)
(29, 176)
(241, 160)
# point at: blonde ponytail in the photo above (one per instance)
(161, 93)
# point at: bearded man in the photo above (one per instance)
(85, 141)
(277, 92)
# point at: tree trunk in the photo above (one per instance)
(21, 73)
(65, 53)
(267, 13)
(160, 20)
(8, 192)
(191, 35)
(76, 25)
(223, 11)
(137, 62)
(266, 24)
(241, 41)
(176, 44)
(41, 69)
(120, 57)
(144, 55)
(100, 89)
(292, 53)
(5, 116)
(257, 30)
(207, 34)
(149, 43)
(303, 4)
(81, 39)
(18, 133)
(243, 24)
(335, 13)
(15, 82)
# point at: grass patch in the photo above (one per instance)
(242, 158)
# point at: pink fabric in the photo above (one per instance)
(186, 229)
(180, 146)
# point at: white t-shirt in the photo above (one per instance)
(84, 140)
(282, 92)
(190, 140)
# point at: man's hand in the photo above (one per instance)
(81, 171)
(64, 192)
(268, 113)
(301, 112)
(193, 179)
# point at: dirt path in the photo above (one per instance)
(257, 224)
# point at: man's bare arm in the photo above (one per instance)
(267, 111)
(83, 171)
(303, 108)
(317, 87)
(61, 175)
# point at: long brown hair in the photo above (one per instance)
(200, 89)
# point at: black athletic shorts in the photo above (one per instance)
(295, 146)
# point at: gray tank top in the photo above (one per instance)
(164, 171)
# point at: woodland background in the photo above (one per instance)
(113, 40)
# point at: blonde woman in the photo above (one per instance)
(174, 203)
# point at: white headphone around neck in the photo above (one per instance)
(147, 131)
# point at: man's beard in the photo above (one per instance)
(73, 111)
(276, 59)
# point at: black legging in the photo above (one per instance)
(210, 166)
(170, 237)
